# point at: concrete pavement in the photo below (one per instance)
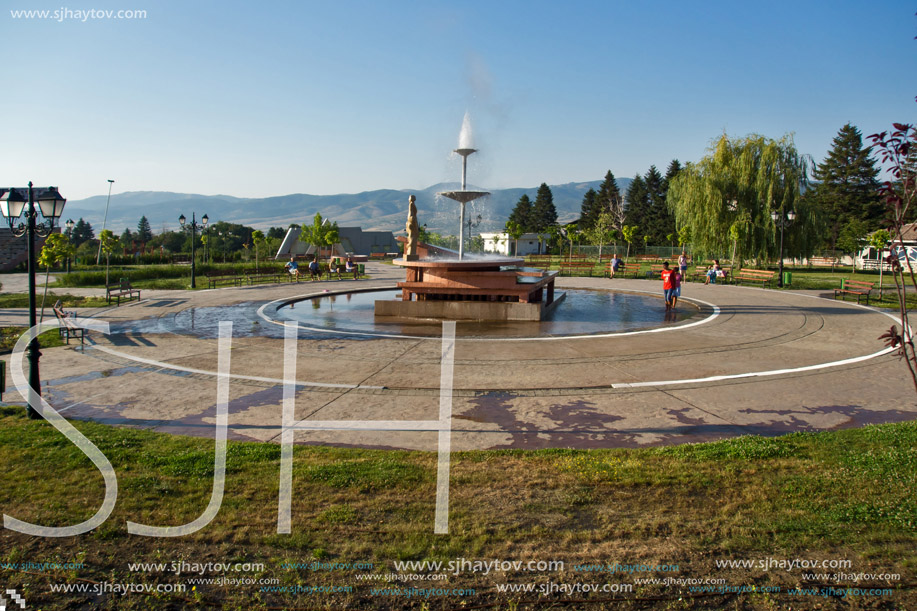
(759, 361)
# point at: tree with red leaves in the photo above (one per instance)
(897, 150)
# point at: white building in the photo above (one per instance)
(528, 244)
(869, 257)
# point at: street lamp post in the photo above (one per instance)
(782, 220)
(12, 203)
(473, 224)
(104, 219)
(194, 227)
(69, 237)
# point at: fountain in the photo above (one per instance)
(455, 288)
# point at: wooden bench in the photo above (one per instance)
(576, 266)
(700, 273)
(622, 270)
(227, 276)
(269, 276)
(67, 328)
(377, 255)
(831, 262)
(856, 287)
(317, 275)
(656, 271)
(540, 261)
(356, 271)
(121, 289)
(754, 275)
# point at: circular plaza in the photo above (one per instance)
(751, 361)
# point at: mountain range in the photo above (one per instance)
(380, 210)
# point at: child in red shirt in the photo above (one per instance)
(668, 287)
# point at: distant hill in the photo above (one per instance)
(384, 209)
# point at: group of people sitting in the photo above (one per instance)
(315, 270)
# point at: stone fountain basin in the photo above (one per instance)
(463, 264)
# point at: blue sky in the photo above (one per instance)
(352, 95)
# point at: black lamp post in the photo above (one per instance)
(782, 220)
(12, 203)
(69, 224)
(194, 227)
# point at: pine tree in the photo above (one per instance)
(522, 213)
(848, 189)
(588, 212)
(638, 203)
(544, 214)
(144, 233)
(672, 172)
(82, 232)
(127, 239)
(660, 221)
(609, 196)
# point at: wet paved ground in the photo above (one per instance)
(756, 361)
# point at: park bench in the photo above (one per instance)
(700, 273)
(121, 289)
(225, 276)
(754, 275)
(539, 261)
(655, 271)
(622, 270)
(355, 272)
(316, 275)
(67, 328)
(577, 267)
(831, 262)
(268, 276)
(855, 287)
(377, 255)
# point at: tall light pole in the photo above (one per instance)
(782, 220)
(194, 227)
(104, 219)
(472, 223)
(69, 237)
(12, 203)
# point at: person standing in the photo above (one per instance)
(676, 284)
(668, 289)
(683, 265)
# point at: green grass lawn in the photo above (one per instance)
(21, 300)
(835, 495)
(10, 335)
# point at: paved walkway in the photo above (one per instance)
(759, 362)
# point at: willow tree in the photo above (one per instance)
(726, 199)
